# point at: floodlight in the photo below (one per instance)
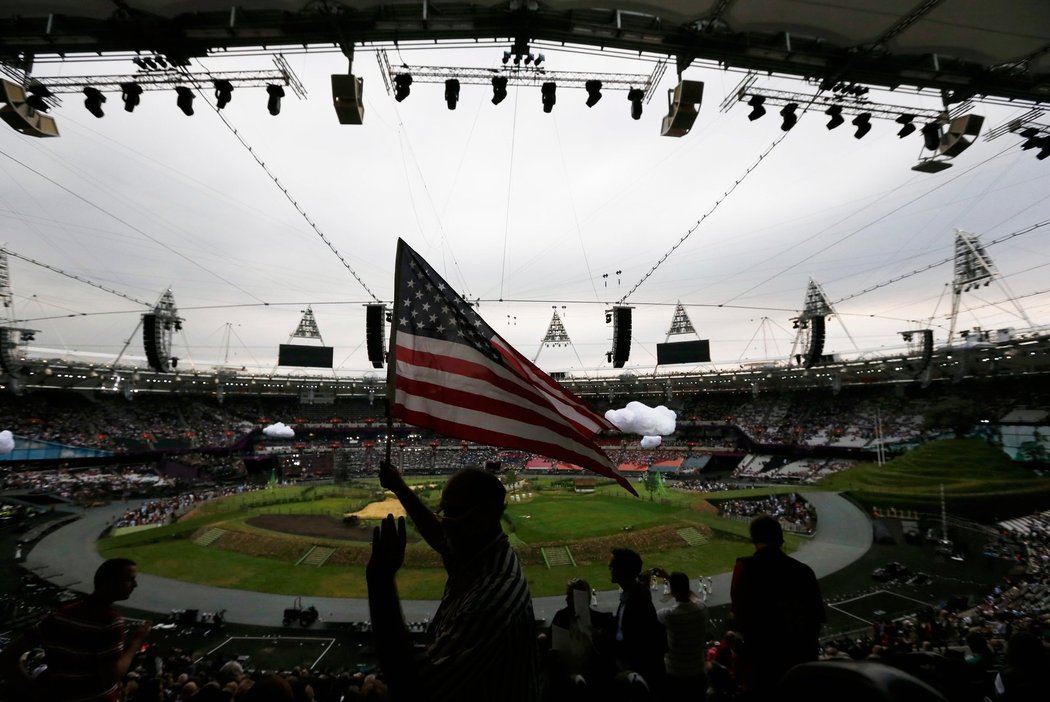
(540, 58)
(506, 57)
(1044, 149)
(790, 118)
(756, 107)
(1032, 139)
(131, 94)
(184, 100)
(594, 92)
(908, 127)
(451, 93)
(547, 90)
(835, 112)
(499, 89)
(636, 95)
(530, 58)
(273, 103)
(35, 99)
(93, 101)
(161, 62)
(223, 93)
(931, 135)
(863, 124)
(402, 83)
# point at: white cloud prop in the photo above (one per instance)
(638, 418)
(279, 430)
(7, 442)
(649, 442)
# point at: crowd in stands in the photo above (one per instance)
(789, 509)
(166, 510)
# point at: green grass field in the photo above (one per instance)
(590, 524)
(980, 481)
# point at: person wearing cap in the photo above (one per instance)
(686, 625)
(777, 606)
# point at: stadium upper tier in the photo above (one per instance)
(983, 355)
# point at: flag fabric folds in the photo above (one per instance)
(453, 373)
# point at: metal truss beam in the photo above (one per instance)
(822, 101)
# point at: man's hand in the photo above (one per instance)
(138, 637)
(389, 477)
(388, 549)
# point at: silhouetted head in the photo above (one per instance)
(574, 585)
(115, 579)
(625, 566)
(471, 506)
(679, 583)
(766, 531)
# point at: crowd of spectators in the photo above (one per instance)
(790, 509)
(167, 509)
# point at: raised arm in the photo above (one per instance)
(425, 521)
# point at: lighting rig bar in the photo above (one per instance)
(525, 76)
(166, 80)
(780, 98)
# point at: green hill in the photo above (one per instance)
(980, 481)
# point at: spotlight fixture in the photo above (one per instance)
(273, 103)
(149, 63)
(402, 83)
(757, 110)
(547, 90)
(517, 59)
(931, 136)
(138, 62)
(1032, 139)
(451, 93)
(131, 94)
(790, 118)
(636, 95)
(506, 57)
(1044, 149)
(594, 92)
(499, 89)
(223, 93)
(185, 99)
(835, 112)
(35, 99)
(93, 101)
(540, 58)
(863, 124)
(530, 58)
(908, 127)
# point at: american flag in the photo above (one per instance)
(454, 374)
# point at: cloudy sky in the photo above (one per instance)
(523, 210)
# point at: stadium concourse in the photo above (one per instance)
(69, 555)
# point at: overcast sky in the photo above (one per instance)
(509, 204)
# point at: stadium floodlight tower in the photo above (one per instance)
(810, 326)
(13, 340)
(974, 269)
(158, 327)
(556, 335)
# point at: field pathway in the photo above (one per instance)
(68, 556)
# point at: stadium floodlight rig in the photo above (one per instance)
(527, 73)
(556, 335)
(947, 133)
(13, 340)
(1036, 134)
(975, 269)
(810, 326)
(43, 93)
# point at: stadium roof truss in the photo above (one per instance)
(961, 47)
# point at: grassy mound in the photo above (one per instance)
(980, 481)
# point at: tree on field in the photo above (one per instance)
(954, 414)
(654, 483)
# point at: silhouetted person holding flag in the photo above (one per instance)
(481, 641)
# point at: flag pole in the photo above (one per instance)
(391, 358)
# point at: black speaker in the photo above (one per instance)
(621, 350)
(927, 348)
(375, 334)
(150, 330)
(816, 341)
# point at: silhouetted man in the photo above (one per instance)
(639, 638)
(481, 642)
(84, 641)
(776, 606)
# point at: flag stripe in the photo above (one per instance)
(481, 428)
(554, 390)
(471, 371)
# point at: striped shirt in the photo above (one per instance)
(686, 625)
(483, 634)
(82, 641)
